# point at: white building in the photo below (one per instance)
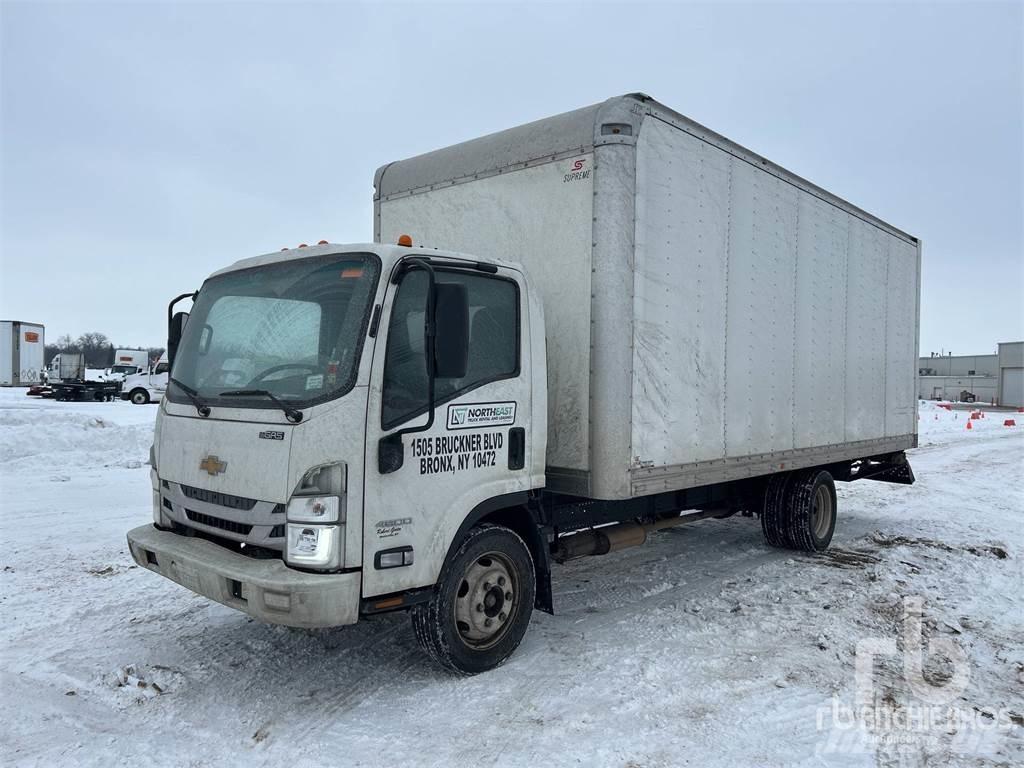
(995, 378)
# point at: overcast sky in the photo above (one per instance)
(145, 145)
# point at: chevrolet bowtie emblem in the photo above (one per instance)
(213, 465)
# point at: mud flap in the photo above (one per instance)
(891, 469)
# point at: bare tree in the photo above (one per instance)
(97, 349)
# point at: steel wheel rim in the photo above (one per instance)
(821, 515)
(487, 600)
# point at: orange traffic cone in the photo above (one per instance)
(1010, 423)
(969, 424)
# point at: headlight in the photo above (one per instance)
(316, 516)
(315, 546)
(313, 509)
(154, 480)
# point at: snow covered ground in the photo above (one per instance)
(702, 648)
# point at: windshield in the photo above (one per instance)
(294, 328)
(123, 369)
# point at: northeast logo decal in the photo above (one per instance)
(472, 415)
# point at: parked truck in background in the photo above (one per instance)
(147, 386)
(71, 380)
(127, 362)
(604, 323)
(69, 366)
(22, 350)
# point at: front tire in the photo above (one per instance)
(140, 396)
(482, 605)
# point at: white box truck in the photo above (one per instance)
(603, 324)
(22, 353)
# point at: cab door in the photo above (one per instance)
(475, 449)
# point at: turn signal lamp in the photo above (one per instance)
(405, 240)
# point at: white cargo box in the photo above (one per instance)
(710, 315)
(22, 350)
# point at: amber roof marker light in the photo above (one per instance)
(405, 240)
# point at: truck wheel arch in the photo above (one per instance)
(512, 510)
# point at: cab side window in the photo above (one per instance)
(493, 342)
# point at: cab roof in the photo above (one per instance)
(388, 254)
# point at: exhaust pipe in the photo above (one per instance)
(611, 538)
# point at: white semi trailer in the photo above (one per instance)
(605, 323)
(22, 348)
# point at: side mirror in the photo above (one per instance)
(174, 330)
(451, 331)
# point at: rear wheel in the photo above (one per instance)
(139, 396)
(800, 510)
(482, 604)
(773, 513)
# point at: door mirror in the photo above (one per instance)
(451, 329)
(174, 330)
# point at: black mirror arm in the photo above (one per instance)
(390, 455)
(175, 300)
(171, 348)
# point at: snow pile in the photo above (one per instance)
(74, 436)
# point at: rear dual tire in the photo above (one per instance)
(799, 510)
(482, 605)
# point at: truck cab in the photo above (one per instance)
(335, 420)
(149, 386)
(127, 362)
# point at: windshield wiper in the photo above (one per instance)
(293, 415)
(201, 407)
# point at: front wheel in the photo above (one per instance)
(140, 397)
(482, 604)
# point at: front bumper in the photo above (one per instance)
(269, 590)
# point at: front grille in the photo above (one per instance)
(242, 529)
(277, 532)
(220, 499)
